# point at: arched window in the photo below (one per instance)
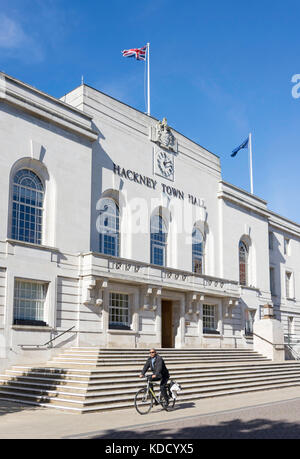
(243, 263)
(158, 240)
(109, 228)
(197, 251)
(27, 207)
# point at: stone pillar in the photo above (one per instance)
(220, 318)
(135, 315)
(105, 315)
(200, 324)
(268, 337)
(158, 321)
(182, 323)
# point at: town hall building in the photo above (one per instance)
(119, 231)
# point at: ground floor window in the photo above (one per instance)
(119, 311)
(210, 319)
(29, 302)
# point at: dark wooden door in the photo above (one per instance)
(166, 324)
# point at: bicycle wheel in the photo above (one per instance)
(172, 402)
(170, 405)
(143, 401)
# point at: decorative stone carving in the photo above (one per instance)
(163, 136)
(149, 298)
(87, 288)
(192, 303)
(124, 266)
(92, 290)
(229, 304)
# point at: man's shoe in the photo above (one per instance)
(165, 402)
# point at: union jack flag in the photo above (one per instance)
(138, 53)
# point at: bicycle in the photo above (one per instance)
(144, 398)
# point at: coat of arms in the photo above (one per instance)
(163, 136)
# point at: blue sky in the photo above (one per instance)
(219, 70)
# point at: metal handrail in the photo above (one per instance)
(292, 337)
(48, 342)
(294, 353)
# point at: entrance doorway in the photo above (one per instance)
(166, 324)
(249, 321)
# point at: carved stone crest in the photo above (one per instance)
(163, 136)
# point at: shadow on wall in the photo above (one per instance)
(100, 162)
(275, 254)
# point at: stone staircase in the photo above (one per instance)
(91, 379)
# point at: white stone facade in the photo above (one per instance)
(89, 150)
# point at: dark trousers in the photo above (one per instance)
(163, 386)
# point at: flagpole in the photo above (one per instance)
(148, 78)
(251, 169)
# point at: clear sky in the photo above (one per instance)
(219, 70)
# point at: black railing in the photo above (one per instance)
(48, 342)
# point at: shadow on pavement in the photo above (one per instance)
(7, 407)
(233, 429)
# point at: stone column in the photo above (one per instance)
(182, 323)
(135, 315)
(158, 321)
(220, 318)
(105, 315)
(200, 323)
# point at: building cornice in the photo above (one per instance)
(45, 107)
(242, 198)
(246, 200)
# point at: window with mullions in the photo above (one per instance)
(243, 263)
(27, 207)
(158, 240)
(119, 311)
(197, 251)
(209, 319)
(109, 228)
(29, 302)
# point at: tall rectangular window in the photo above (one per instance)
(272, 281)
(291, 324)
(271, 240)
(209, 319)
(119, 311)
(288, 284)
(158, 242)
(286, 246)
(109, 227)
(29, 302)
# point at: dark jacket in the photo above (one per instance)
(159, 370)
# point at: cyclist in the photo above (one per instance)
(160, 372)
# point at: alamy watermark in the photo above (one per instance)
(296, 87)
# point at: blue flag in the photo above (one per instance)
(243, 145)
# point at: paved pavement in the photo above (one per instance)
(265, 414)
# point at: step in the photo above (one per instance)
(83, 361)
(126, 373)
(92, 379)
(112, 384)
(122, 405)
(108, 404)
(74, 394)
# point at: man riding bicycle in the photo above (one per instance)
(160, 372)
